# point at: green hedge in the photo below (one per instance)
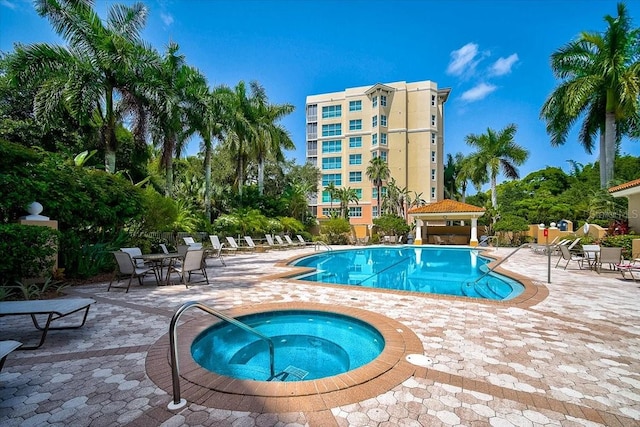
(28, 252)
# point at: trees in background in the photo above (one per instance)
(378, 171)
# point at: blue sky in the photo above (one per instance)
(494, 55)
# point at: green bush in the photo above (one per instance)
(28, 252)
(337, 231)
(391, 225)
(623, 241)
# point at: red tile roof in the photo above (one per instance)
(444, 206)
(630, 184)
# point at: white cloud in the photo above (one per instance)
(7, 3)
(462, 60)
(167, 18)
(478, 92)
(503, 65)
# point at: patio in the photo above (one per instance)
(569, 358)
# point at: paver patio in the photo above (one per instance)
(569, 358)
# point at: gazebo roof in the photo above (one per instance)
(631, 187)
(448, 207)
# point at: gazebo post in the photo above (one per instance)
(418, 240)
(474, 232)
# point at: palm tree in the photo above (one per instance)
(88, 75)
(470, 170)
(332, 190)
(451, 171)
(346, 195)
(270, 136)
(601, 74)
(496, 152)
(378, 171)
(241, 130)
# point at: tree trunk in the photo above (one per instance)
(261, 176)
(603, 160)
(108, 130)
(207, 180)
(610, 148)
(110, 160)
(494, 196)
(169, 177)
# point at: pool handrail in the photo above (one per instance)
(319, 243)
(489, 271)
(177, 402)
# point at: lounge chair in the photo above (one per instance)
(281, 242)
(610, 256)
(574, 243)
(271, 243)
(233, 244)
(193, 261)
(54, 309)
(215, 243)
(290, 242)
(629, 267)
(250, 243)
(127, 269)
(7, 347)
(568, 256)
(304, 242)
(438, 240)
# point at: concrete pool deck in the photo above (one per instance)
(569, 357)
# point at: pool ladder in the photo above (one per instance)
(489, 271)
(320, 244)
(177, 402)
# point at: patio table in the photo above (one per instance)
(157, 263)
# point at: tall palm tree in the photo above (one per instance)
(451, 171)
(332, 190)
(470, 170)
(241, 130)
(88, 75)
(378, 171)
(270, 136)
(497, 152)
(601, 81)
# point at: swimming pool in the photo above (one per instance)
(308, 345)
(436, 270)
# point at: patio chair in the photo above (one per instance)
(127, 269)
(629, 267)
(215, 253)
(134, 252)
(250, 243)
(438, 240)
(193, 262)
(215, 242)
(591, 253)
(271, 243)
(574, 243)
(610, 256)
(233, 244)
(568, 256)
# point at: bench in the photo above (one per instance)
(54, 309)
(7, 347)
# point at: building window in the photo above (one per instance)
(433, 120)
(374, 101)
(333, 146)
(355, 177)
(383, 139)
(433, 156)
(327, 211)
(383, 100)
(433, 193)
(383, 120)
(358, 193)
(374, 139)
(326, 198)
(383, 193)
(355, 159)
(332, 163)
(328, 178)
(355, 124)
(355, 211)
(433, 174)
(374, 121)
(433, 138)
(374, 211)
(312, 130)
(383, 155)
(355, 105)
(331, 111)
(355, 142)
(312, 112)
(332, 129)
(433, 100)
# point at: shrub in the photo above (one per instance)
(391, 225)
(28, 251)
(623, 241)
(337, 231)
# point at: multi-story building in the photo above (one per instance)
(401, 122)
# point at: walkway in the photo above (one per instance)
(571, 359)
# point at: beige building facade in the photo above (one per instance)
(401, 122)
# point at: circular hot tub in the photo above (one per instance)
(308, 345)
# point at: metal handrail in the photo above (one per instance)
(489, 271)
(323, 244)
(177, 402)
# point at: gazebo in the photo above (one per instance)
(630, 190)
(447, 210)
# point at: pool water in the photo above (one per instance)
(437, 270)
(308, 345)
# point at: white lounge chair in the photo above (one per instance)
(6, 347)
(281, 242)
(271, 243)
(250, 243)
(290, 242)
(215, 242)
(302, 241)
(233, 244)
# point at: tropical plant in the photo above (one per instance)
(378, 171)
(601, 74)
(336, 231)
(496, 152)
(332, 190)
(85, 77)
(346, 195)
(389, 224)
